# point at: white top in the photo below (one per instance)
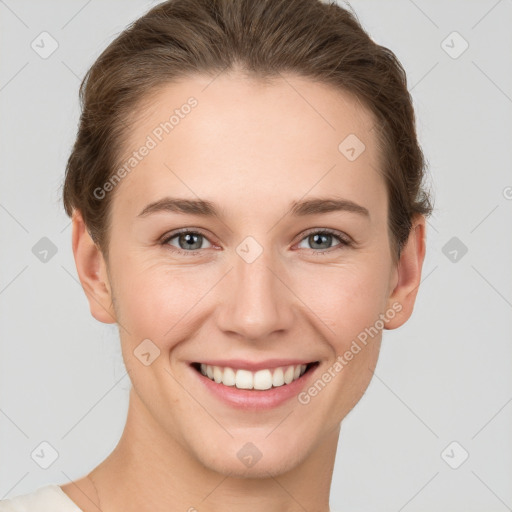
(50, 498)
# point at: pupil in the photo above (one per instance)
(188, 239)
(317, 238)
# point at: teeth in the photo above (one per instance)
(245, 379)
(278, 377)
(288, 375)
(262, 379)
(217, 374)
(229, 377)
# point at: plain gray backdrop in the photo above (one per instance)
(433, 431)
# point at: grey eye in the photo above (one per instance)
(189, 241)
(320, 240)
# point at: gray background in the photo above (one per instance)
(444, 376)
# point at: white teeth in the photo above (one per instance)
(278, 377)
(217, 374)
(244, 379)
(288, 375)
(229, 378)
(260, 380)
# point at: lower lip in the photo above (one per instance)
(255, 398)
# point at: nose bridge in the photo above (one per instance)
(255, 304)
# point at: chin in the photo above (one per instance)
(250, 453)
(271, 463)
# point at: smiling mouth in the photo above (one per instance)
(259, 380)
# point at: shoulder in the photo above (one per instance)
(48, 498)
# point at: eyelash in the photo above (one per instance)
(342, 238)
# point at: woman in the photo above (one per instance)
(247, 205)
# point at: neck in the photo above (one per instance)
(148, 470)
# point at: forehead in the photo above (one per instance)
(239, 138)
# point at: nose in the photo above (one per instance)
(255, 303)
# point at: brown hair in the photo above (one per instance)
(179, 38)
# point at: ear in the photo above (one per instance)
(408, 271)
(92, 272)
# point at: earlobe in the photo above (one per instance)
(92, 272)
(410, 264)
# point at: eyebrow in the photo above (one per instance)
(301, 208)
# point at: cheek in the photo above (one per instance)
(345, 299)
(348, 303)
(158, 302)
(166, 303)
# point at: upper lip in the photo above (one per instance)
(242, 364)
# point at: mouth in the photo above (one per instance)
(260, 380)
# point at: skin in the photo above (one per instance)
(251, 148)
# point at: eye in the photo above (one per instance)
(187, 241)
(323, 239)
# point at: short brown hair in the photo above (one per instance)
(180, 38)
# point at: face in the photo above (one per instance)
(285, 263)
